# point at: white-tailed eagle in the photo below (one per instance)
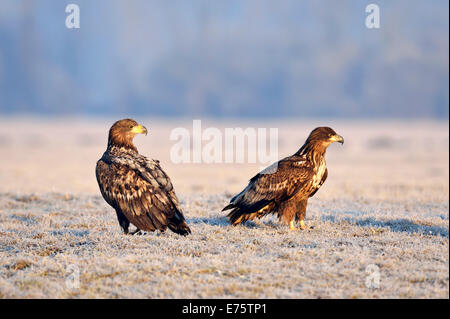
(285, 186)
(135, 186)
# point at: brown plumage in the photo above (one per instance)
(285, 186)
(136, 186)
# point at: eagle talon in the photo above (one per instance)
(303, 226)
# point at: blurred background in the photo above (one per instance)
(219, 59)
(291, 65)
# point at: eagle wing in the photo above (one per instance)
(142, 191)
(276, 183)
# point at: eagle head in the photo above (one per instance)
(122, 132)
(324, 136)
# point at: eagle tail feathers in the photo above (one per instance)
(181, 228)
(236, 216)
(178, 224)
(229, 206)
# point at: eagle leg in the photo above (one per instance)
(123, 221)
(301, 213)
(286, 213)
(292, 226)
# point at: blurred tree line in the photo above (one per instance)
(253, 58)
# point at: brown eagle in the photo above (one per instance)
(136, 186)
(285, 186)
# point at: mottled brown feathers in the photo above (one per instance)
(135, 186)
(285, 186)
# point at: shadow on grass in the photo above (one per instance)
(221, 221)
(71, 232)
(395, 225)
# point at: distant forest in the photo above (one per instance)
(229, 58)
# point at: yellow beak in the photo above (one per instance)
(337, 138)
(139, 129)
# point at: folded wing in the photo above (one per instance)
(268, 188)
(143, 192)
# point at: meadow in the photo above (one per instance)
(379, 225)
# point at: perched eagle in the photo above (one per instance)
(285, 186)
(136, 186)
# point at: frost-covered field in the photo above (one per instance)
(383, 213)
